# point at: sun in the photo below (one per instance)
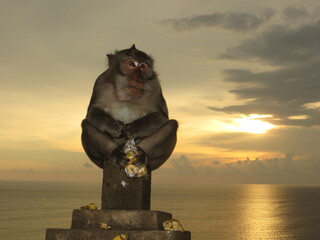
(251, 124)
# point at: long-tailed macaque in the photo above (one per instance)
(127, 103)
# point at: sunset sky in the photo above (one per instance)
(241, 77)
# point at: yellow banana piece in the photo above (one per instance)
(104, 226)
(173, 225)
(121, 237)
(131, 157)
(91, 206)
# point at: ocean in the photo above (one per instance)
(222, 212)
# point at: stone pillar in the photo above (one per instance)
(125, 208)
(122, 192)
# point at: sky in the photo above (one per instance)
(241, 77)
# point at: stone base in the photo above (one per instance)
(137, 224)
(119, 219)
(94, 234)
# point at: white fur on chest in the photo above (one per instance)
(126, 113)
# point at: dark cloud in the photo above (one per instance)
(295, 13)
(287, 169)
(236, 21)
(281, 93)
(183, 165)
(284, 92)
(87, 165)
(276, 170)
(280, 45)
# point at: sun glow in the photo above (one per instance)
(251, 124)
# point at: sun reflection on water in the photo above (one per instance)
(260, 216)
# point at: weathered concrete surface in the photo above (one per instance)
(122, 192)
(94, 234)
(120, 219)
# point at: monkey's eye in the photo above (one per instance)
(131, 63)
(142, 65)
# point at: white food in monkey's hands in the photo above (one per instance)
(131, 152)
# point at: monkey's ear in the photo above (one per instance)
(111, 59)
(133, 49)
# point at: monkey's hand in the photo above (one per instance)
(114, 128)
(105, 123)
(145, 126)
(142, 158)
(118, 157)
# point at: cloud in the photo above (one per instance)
(45, 159)
(298, 140)
(295, 13)
(280, 45)
(29, 170)
(282, 93)
(183, 165)
(285, 92)
(87, 165)
(286, 170)
(277, 170)
(51, 155)
(236, 21)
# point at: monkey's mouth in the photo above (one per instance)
(137, 88)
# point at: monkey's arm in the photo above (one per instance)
(150, 123)
(146, 125)
(103, 122)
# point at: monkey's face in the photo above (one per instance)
(137, 73)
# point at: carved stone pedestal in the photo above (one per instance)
(137, 224)
(125, 208)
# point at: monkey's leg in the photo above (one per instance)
(160, 145)
(98, 146)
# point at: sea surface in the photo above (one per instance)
(222, 212)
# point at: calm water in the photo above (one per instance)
(222, 212)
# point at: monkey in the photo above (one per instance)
(127, 103)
